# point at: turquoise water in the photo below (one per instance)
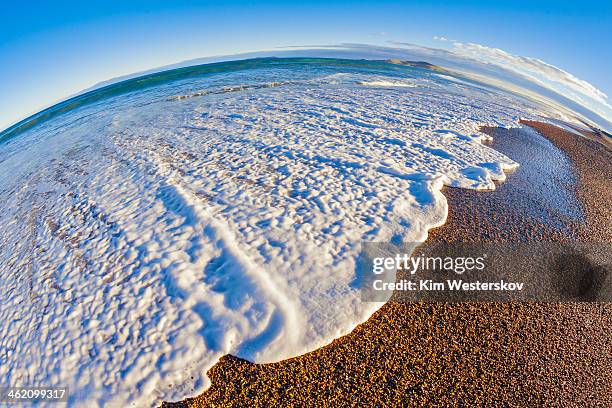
(159, 223)
(199, 71)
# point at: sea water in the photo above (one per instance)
(150, 227)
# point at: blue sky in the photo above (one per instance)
(54, 49)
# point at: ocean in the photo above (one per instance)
(154, 225)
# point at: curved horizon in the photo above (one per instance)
(257, 202)
(53, 52)
(455, 63)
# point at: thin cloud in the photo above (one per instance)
(540, 72)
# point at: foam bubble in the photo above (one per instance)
(146, 236)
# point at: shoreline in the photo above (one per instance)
(467, 353)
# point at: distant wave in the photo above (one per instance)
(160, 223)
(387, 83)
(228, 89)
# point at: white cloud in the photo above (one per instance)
(524, 73)
(541, 73)
(460, 57)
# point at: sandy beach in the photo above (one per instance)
(264, 204)
(485, 354)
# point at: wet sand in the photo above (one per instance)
(465, 354)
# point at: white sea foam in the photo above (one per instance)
(390, 83)
(145, 236)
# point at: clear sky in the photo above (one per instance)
(51, 50)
